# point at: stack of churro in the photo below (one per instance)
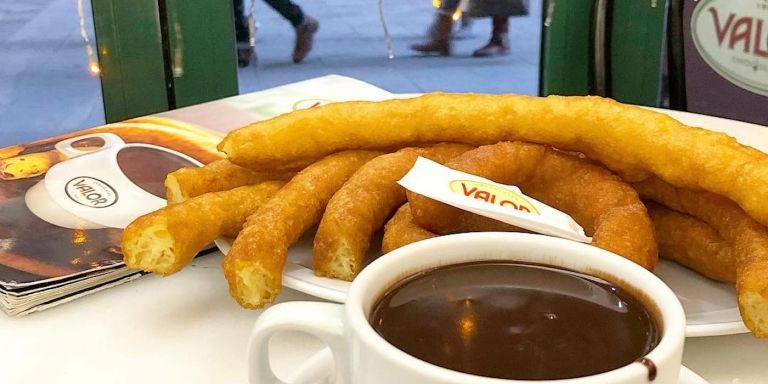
(639, 182)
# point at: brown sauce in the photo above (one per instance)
(515, 321)
(147, 167)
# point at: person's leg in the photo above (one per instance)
(464, 31)
(499, 43)
(449, 6)
(305, 26)
(289, 10)
(241, 22)
(440, 31)
(242, 35)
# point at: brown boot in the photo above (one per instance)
(499, 43)
(441, 39)
(305, 34)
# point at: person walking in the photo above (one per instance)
(306, 26)
(499, 11)
(439, 39)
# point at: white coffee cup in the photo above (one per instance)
(90, 190)
(362, 356)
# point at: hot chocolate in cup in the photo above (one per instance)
(365, 352)
(107, 187)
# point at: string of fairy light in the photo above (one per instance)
(93, 61)
(387, 37)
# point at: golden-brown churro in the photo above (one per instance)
(219, 175)
(607, 207)
(166, 240)
(254, 265)
(400, 231)
(362, 205)
(747, 238)
(692, 243)
(634, 142)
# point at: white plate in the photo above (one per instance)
(710, 307)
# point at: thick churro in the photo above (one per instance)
(747, 238)
(219, 175)
(400, 230)
(166, 240)
(693, 243)
(254, 265)
(362, 205)
(607, 207)
(634, 142)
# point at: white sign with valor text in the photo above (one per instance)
(484, 197)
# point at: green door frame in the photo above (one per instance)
(131, 58)
(624, 63)
(157, 55)
(637, 42)
(566, 48)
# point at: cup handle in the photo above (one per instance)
(323, 320)
(65, 146)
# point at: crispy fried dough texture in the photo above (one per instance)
(362, 205)
(219, 175)
(166, 240)
(693, 243)
(400, 231)
(633, 142)
(607, 207)
(254, 265)
(747, 238)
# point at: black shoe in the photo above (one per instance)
(245, 56)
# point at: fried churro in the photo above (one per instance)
(219, 175)
(607, 207)
(747, 238)
(692, 243)
(362, 205)
(634, 142)
(254, 265)
(400, 231)
(166, 240)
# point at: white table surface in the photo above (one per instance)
(186, 329)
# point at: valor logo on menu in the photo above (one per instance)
(91, 192)
(732, 37)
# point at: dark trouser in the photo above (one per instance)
(242, 33)
(449, 6)
(286, 8)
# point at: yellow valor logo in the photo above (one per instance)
(492, 194)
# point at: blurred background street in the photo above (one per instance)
(44, 77)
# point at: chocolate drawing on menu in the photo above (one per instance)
(714, 185)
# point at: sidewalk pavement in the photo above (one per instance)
(351, 42)
(45, 88)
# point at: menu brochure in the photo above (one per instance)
(64, 200)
